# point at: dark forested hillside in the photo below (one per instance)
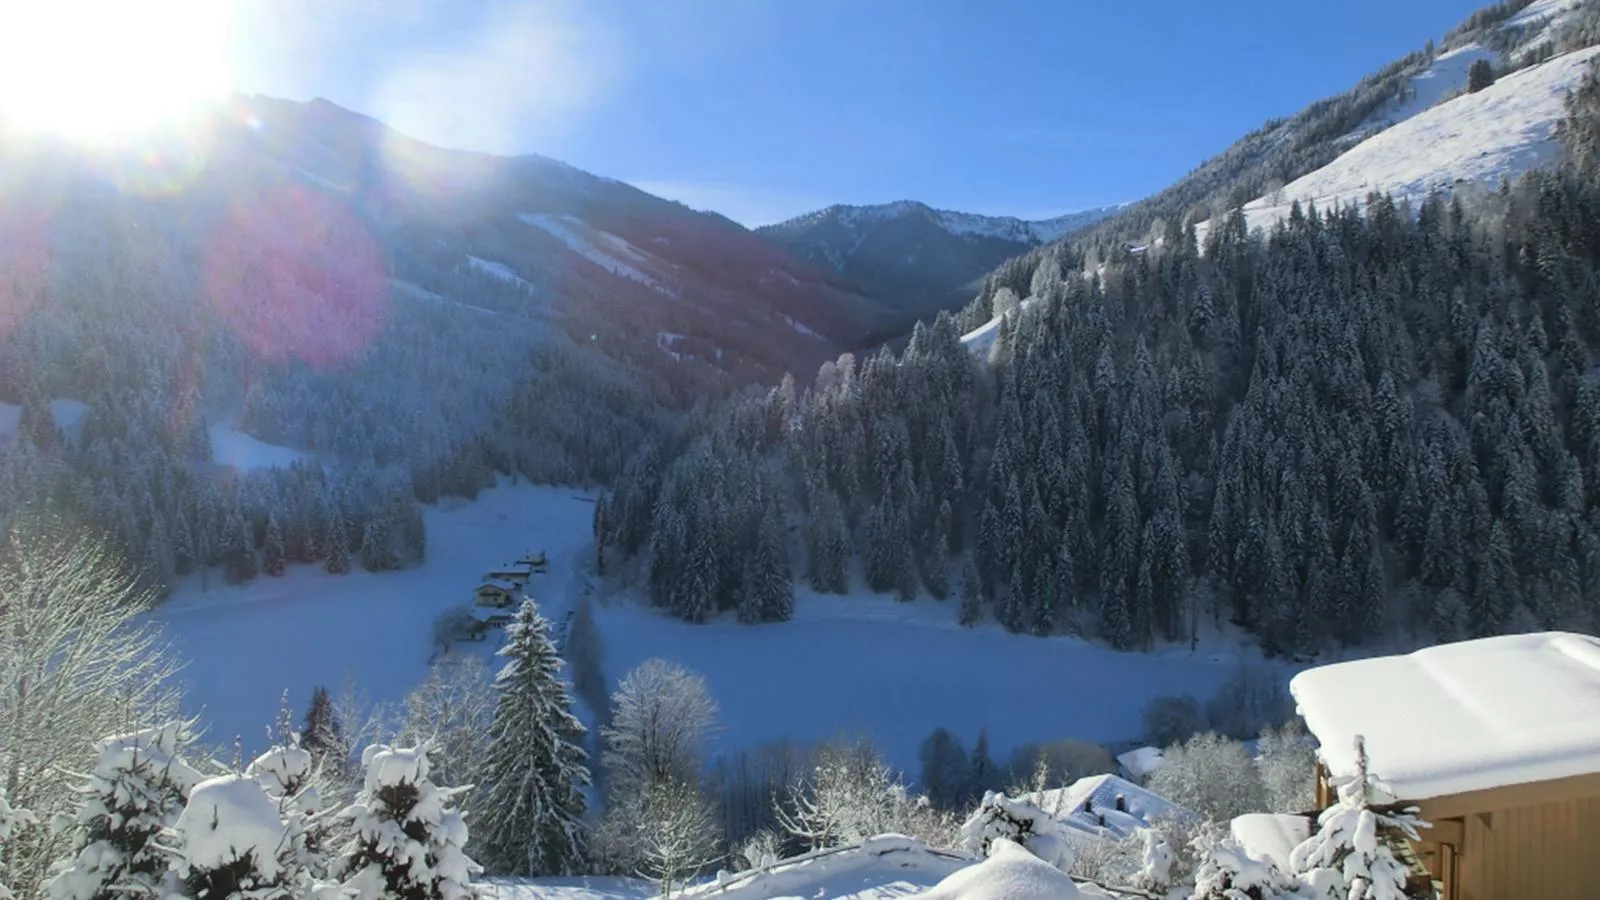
(411, 320)
(1369, 421)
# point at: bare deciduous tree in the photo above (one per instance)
(450, 713)
(661, 717)
(77, 662)
(677, 834)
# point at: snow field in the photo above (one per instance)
(238, 450)
(243, 645)
(894, 672)
(864, 663)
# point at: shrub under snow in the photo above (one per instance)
(408, 840)
(136, 790)
(1006, 820)
(229, 840)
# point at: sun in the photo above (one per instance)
(101, 69)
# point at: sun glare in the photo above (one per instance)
(97, 69)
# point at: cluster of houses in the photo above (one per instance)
(496, 597)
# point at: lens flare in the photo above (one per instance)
(297, 276)
(95, 70)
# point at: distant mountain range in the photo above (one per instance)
(912, 257)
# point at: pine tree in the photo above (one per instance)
(535, 772)
(274, 558)
(338, 546)
(322, 734)
(11, 819)
(408, 840)
(138, 789)
(1352, 842)
(971, 595)
(981, 773)
(228, 843)
(287, 773)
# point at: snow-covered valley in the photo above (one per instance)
(868, 665)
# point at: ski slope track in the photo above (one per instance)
(1502, 131)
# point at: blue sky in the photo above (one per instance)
(763, 109)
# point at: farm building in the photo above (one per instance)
(497, 592)
(516, 573)
(1495, 741)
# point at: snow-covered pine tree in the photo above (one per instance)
(11, 818)
(971, 595)
(287, 773)
(1352, 842)
(408, 840)
(227, 844)
(137, 789)
(274, 556)
(338, 562)
(323, 734)
(536, 767)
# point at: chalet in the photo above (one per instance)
(498, 593)
(1104, 806)
(485, 618)
(1497, 744)
(516, 573)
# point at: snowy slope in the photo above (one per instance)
(981, 340)
(604, 249)
(877, 869)
(244, 645)
(1447, 75)
(499, 270)
(1501, 131)
(884, 669)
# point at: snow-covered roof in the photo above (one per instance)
(1461, 717)
(1270, 837)
(501, 583)
(1084, 803)
(1140, 762)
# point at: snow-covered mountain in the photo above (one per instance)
(602, 253)
(1472, 140)
(911, 256)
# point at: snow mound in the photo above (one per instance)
(1141, 762)
(1270, 837)
(1500, 132)
(227, 819)
(388, 766)
(280, 769)
(875, 869)
(1474, 715)
(594, 887)
(244, 453)
(1010, 873)
(587, 242)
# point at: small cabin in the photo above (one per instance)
(1496, 742)
(515, 573)
(497, 593)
